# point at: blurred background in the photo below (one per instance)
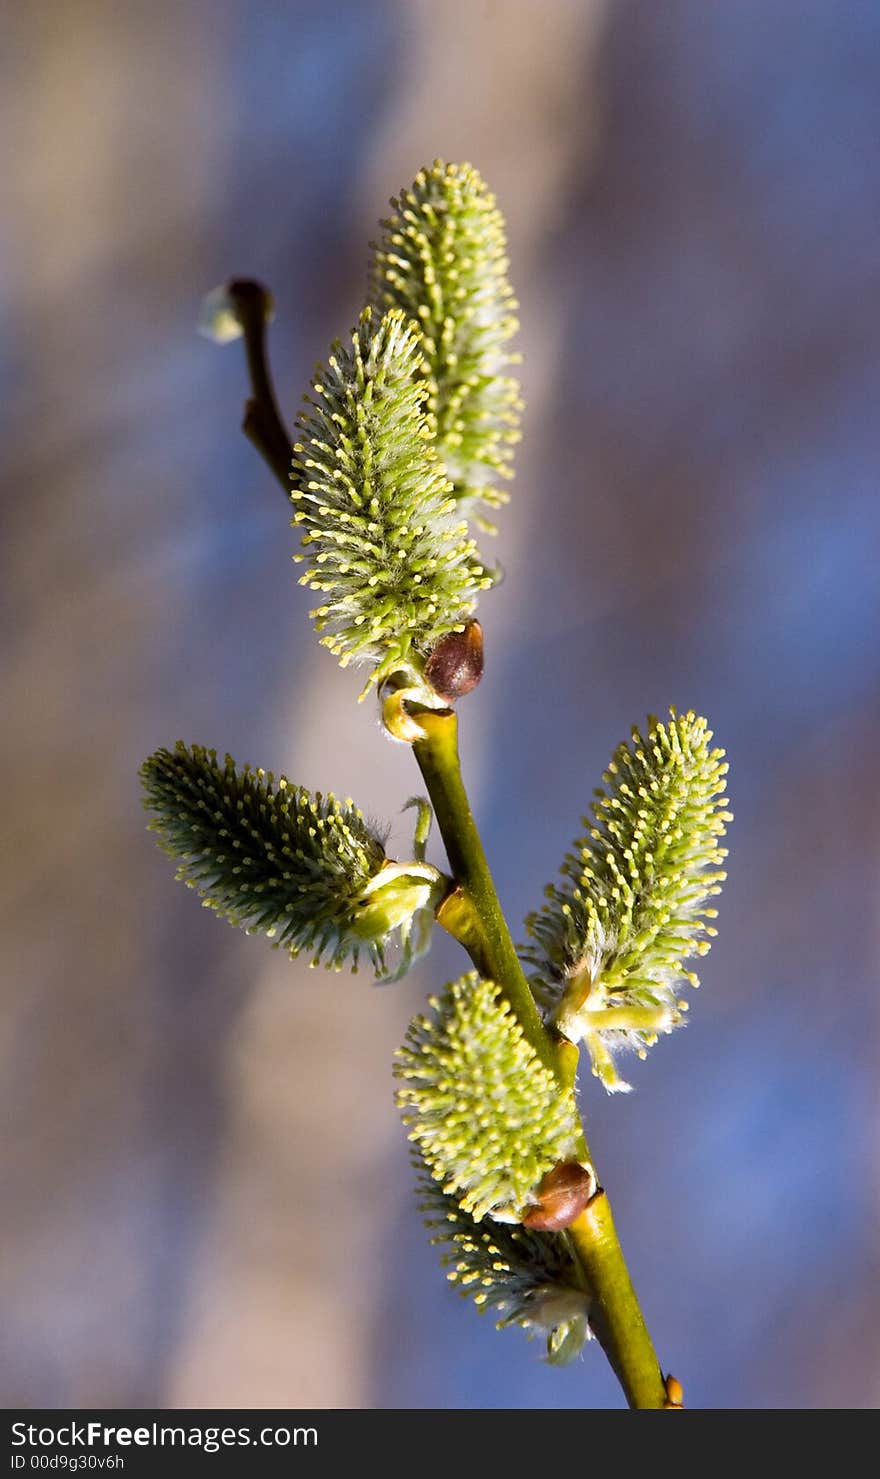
(206, 1195)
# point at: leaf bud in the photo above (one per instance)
(562, 1196)
(455, 665)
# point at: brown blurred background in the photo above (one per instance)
(206, 1196)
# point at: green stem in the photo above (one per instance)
(615, 1316)
(481, 927)
(473, 914)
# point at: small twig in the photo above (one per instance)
(262, 423)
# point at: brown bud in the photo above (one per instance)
(245, 291)
(562, 1196)
(455, 665)
(674, 1393)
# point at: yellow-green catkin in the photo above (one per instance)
(609, 947)
(385, 546)
(489, 1119)
(442, 260)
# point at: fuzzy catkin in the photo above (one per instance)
(528, 1279)
(384, 545)
(442, 260)
(487, 1116)
(266, 856)
(636, 900)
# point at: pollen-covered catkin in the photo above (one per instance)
(609, 947)
(442, 260)
(385, 547)
(527, 1279)
(487, 1116)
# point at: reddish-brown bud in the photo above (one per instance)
(455, 665)
(562, 1196)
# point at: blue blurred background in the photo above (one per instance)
(206, 1193)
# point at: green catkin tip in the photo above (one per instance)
(442, 260)
(488, 1118)
(609, 946)
(385, 544)
(306, 871)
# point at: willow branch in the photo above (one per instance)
(472, 913)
